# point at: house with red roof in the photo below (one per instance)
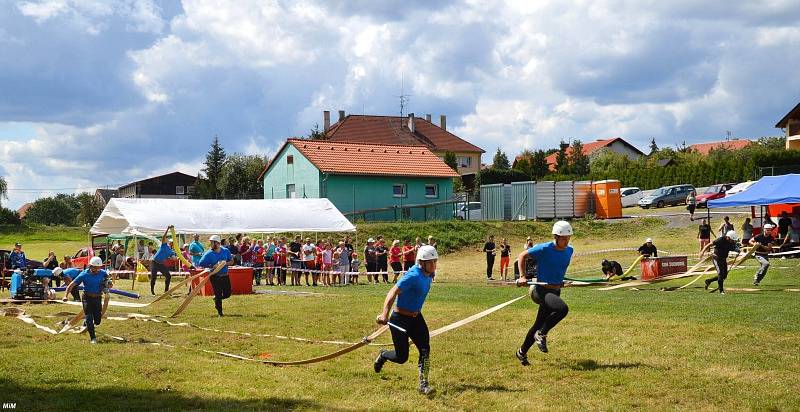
(791, 123)
(615, 144)
(733, 144)
(406, 131)
(359, 177)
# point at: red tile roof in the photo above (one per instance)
(705, 148)
(589, 148)
(343, 158)
(23, 210)
(394, 130)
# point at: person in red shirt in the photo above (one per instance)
(395, 255)
(409, 255)
(258, 260)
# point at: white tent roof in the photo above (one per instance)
(152, 216)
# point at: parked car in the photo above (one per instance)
(630, 196)
(741, 187)
(711, 193)
(469, 211)
(666, 196)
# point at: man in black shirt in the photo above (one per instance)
(783, 225)
(383, 260)
(489, 248)
(648, 249)
(722, 247)
(295, 250)
(763, 244)
(371, 258)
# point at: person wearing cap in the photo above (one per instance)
(648, 249)
(763, 244)
(553, 259)
(159, 263)
(220, 281)
(17, 258)
(95, 281)
(410, 293)
(722, 247)
(371, 259)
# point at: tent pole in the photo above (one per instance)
(135, 263)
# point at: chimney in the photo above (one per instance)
(341, 115)
(428, 117)
(443, 122)
(411, 126)
(326, 120)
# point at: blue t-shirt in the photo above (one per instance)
(92, 283)
(71, 273)
(18, 260)
(163, 253)
(414, 287)
(552, 263)
(196, 247)
(210, 258)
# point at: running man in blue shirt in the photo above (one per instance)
(410, 291)
(553, 259)
(220, 281)
(94, 280)
(159, 263)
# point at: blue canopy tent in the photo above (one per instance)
(769, 190)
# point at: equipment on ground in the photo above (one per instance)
(28, 284)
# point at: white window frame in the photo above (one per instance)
(435, 194)
(461, 164)
(179, 190)
(405, 190)
(189, 189)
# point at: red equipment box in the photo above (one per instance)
(662, 266)
(241, 281)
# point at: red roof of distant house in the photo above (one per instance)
(705, 148)
(343, 158)
(394, 130)
(23, 210)
(589, 148)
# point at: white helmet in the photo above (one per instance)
(427, 252)
(732, 234)
(562, 228)
(215, 238)
(648, 240)
(768, 226)
(57, 271)
(96, 261)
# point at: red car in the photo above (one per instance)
(712, 192)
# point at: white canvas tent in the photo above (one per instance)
(152, 216)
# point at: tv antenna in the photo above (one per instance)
(404, 98)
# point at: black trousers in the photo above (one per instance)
(75, 295)
(408, 265)
(93, 313)
(489, 264)
(257, 269)
(222, 290)
(552, 309)
(372, 266)
(417, 331)
(721, 264)
(156, 267)
(383, 266)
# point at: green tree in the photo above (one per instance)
(208, 185)
(562, 160)
(89, 209)
(316, 133)
(59, 210)
(500, 161)
(3, 189)
(578, 161)
(524, 163)
(539, 166)
(653, 146)
(450, 160)
(239, 177)
(772, 142)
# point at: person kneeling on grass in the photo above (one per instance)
(553, 260)
(94, 281)
(722, 247)
(410, 291)
(220, 281)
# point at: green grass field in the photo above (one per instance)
(624, 349)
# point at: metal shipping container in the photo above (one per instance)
(507, 202)
(545, 200)
(492, 202)
(564, 199)
(523, 200)
(583, 198)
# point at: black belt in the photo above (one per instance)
(406, 312)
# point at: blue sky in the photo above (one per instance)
(98, 92)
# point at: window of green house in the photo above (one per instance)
(399, 190)
(431, 190)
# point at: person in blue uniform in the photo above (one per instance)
(553, 259)
(220, 281)
(94, 280)
(68, 275)
(159, 263)
(410, 293)
(17, 258)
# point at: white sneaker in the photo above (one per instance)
(93, 341)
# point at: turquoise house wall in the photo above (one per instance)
(302, 173)
(354, 193)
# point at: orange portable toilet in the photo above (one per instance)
(607, 199)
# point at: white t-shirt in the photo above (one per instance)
(311, 256)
